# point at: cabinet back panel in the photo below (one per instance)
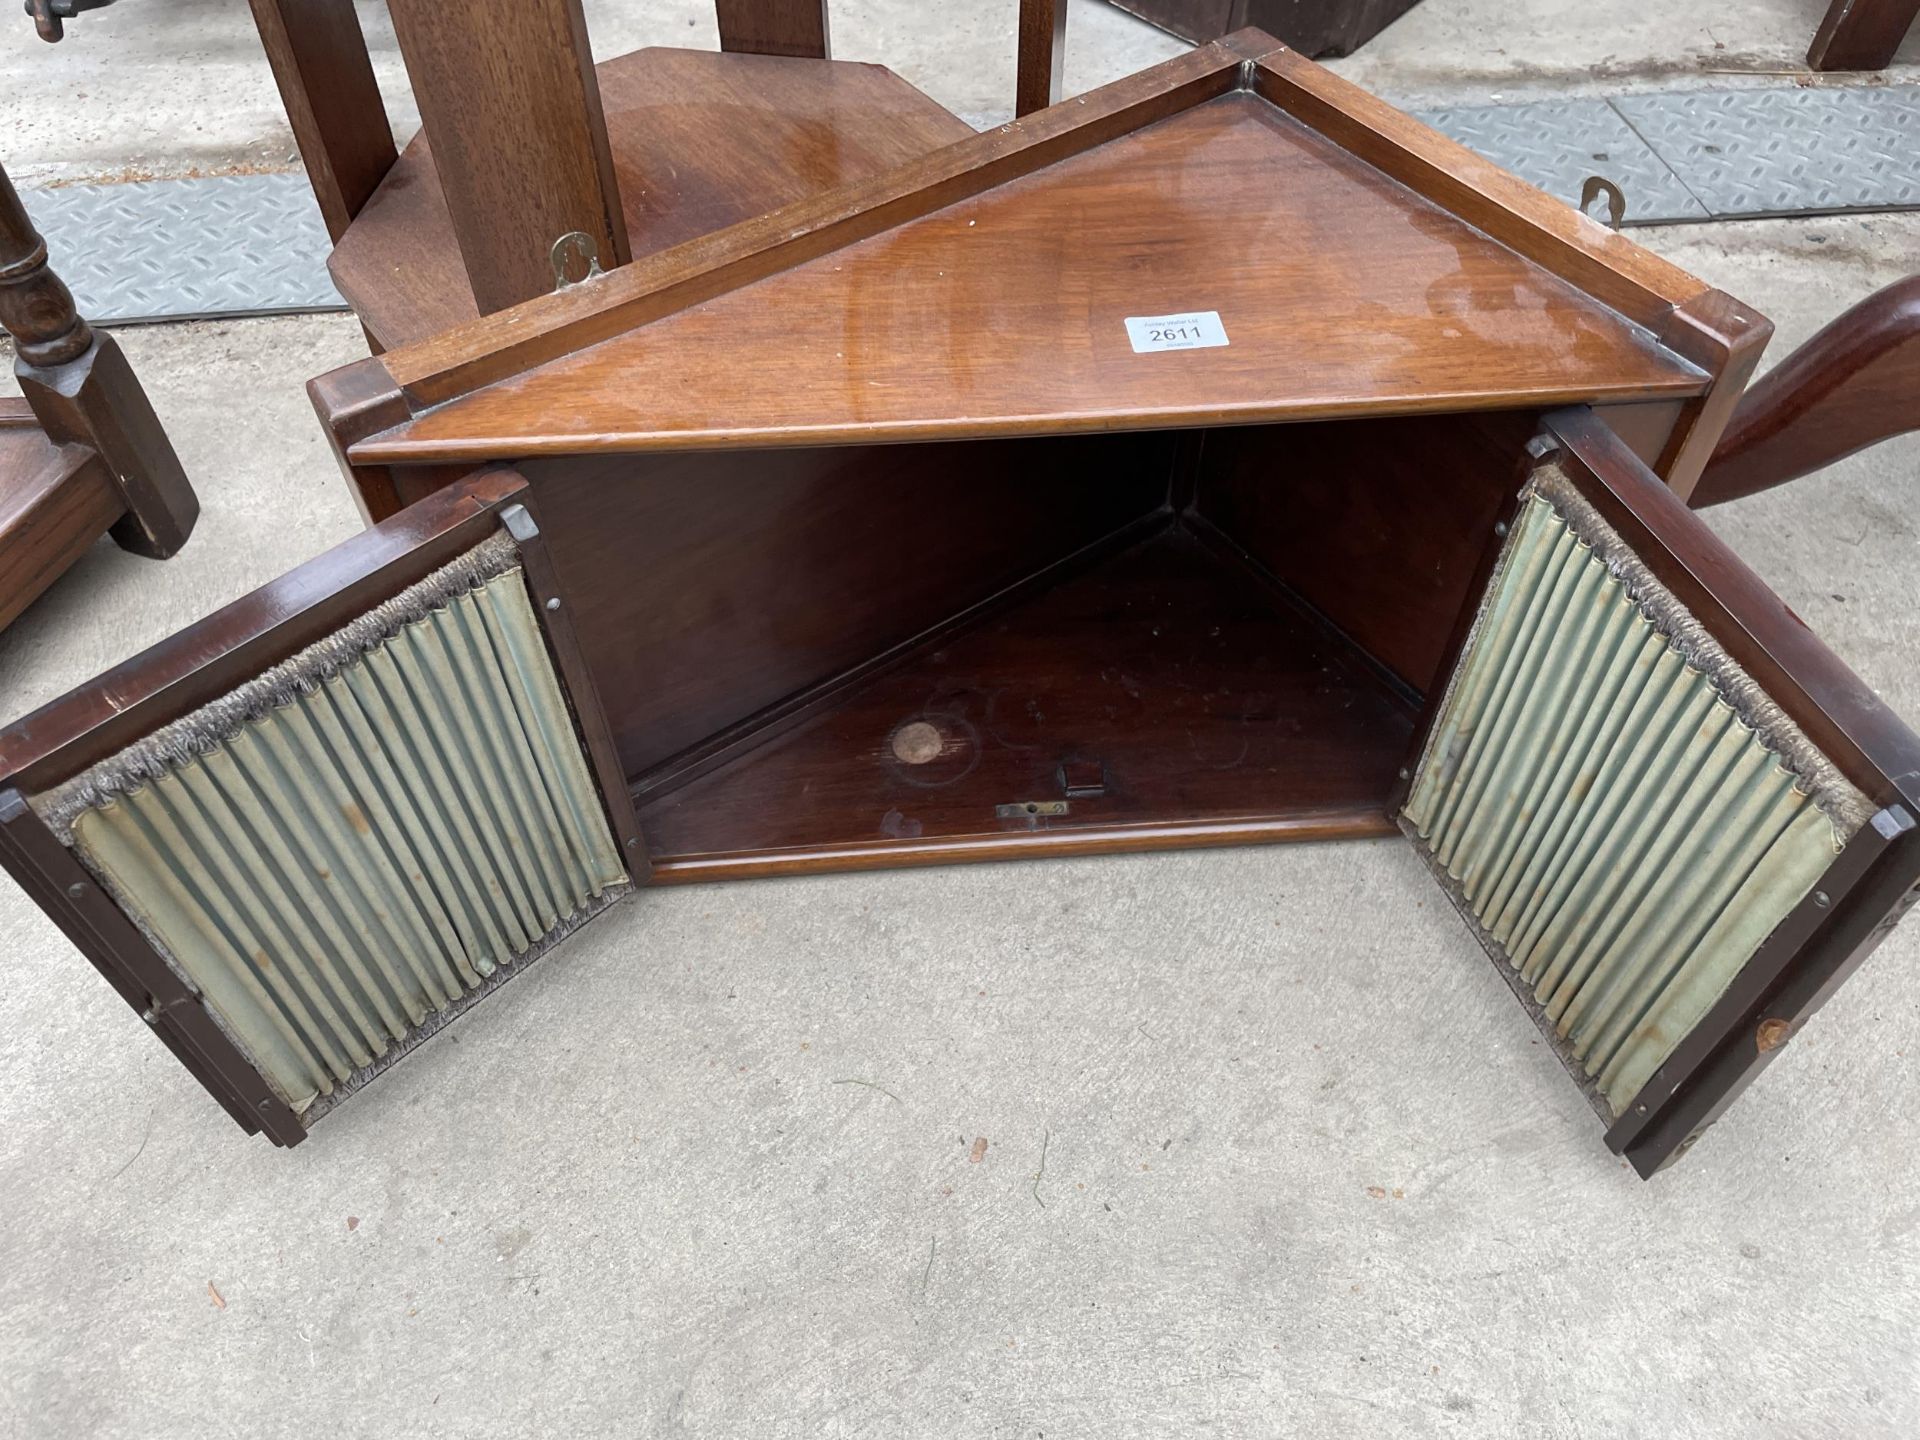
(707, 587)
(1378, 524)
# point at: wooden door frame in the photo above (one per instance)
(1870, 884)
(210, 659)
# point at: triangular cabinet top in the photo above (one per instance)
(1358, 263)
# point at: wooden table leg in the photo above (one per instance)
(1861, 34)
(320, 63)
(775, 27)
(511, 106)
(1042, 55)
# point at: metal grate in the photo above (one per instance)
(344, 851)
(1612, 801)
(1711, 154)
(1556, 144)
(186, 249)
(1787, 152)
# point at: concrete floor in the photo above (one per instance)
(1307, 1170)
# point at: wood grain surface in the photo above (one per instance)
(1341, 293)
(519, 339)
(507, 90)
(775, 27)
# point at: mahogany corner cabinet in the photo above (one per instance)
(1217, 457)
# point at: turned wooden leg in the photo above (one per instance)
(1861, 34)
(82, 391)
(1854, 384)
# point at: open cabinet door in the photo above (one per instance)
(304, 834)
(1673, 818)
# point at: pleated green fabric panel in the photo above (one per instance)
(393, 829)
(1623, 833)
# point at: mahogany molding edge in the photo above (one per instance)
(1357, 823)
(395, 450)
(1725, 338)
(1553, 235)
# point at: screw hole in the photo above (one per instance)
(1032, 809)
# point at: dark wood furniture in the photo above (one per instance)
(1382, 267)
(908, 524)
(1861, 34)
(1854, 384)
(641, 153)
(1316, 28)
(81, 452)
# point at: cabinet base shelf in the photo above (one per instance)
(1362, 823)
(1163, 698)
